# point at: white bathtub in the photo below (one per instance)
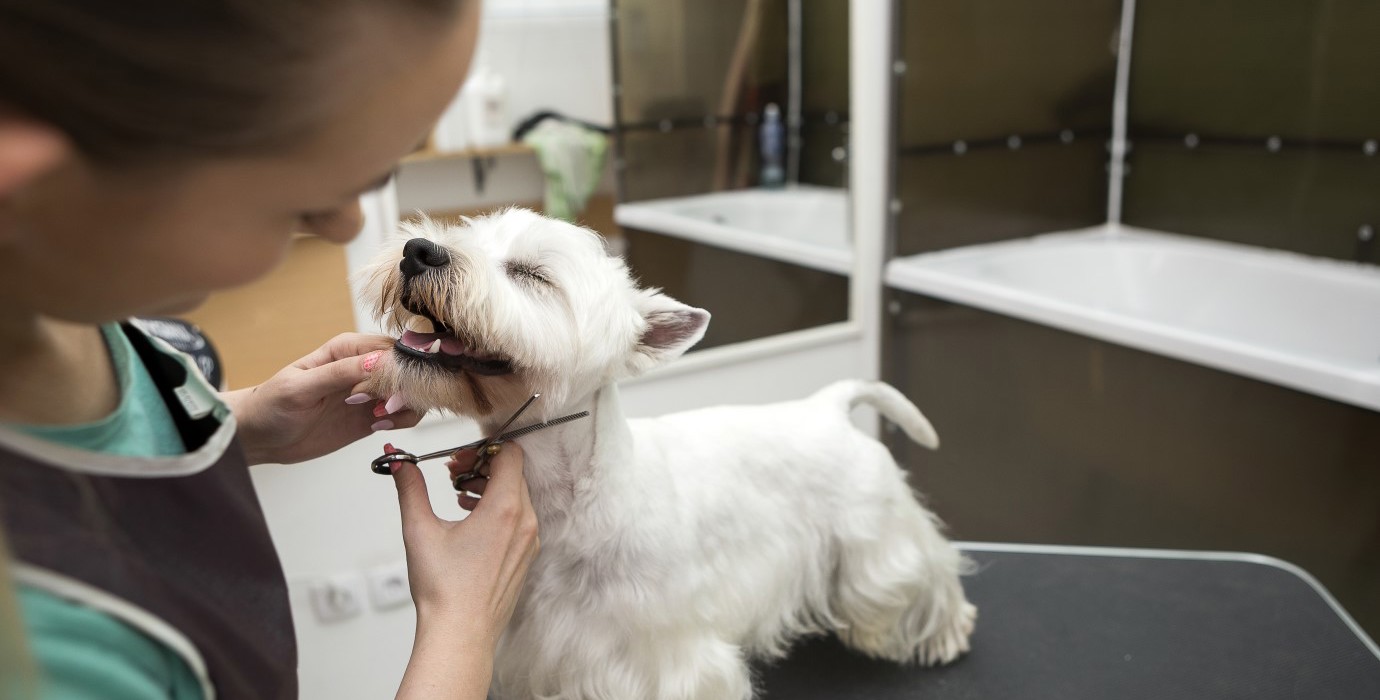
(1307, 323)
(803, 225)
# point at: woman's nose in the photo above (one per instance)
(340, 227)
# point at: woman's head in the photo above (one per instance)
(152, 151)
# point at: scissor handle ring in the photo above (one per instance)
(380, 465)
(472, 474)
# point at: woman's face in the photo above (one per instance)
(88, 245)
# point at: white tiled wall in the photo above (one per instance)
(553, 55)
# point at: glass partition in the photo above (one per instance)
(703, 215)
(1004, 112)
(1257, 123)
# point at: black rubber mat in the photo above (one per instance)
(1073, 627)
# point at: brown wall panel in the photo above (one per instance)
(1057, 438)
(979, 69)
(748, 296)
(996, 194)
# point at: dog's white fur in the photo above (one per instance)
(674, 549)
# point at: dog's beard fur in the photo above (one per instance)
(514, 298)
(677, 548)
(445, 295)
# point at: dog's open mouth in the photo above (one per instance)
(427, 340)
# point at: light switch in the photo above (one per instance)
(338, 597)
(388, 586)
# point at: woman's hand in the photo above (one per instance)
(465, 576)
(309, 409)
(470, 489)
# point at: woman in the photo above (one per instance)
(152, 152)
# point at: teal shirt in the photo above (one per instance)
(141, 425)
(84, 653)
(87, 655)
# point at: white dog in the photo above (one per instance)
(673, 549)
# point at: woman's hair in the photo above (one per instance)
(18, 678)
(139, 80)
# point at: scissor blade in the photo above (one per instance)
(503, 437)
(534, 428)
(517, 413)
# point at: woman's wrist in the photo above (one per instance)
(450, 659)
(455, 626)
(238, 402)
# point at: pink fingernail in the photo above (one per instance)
(395, 402)
(382, 425)
(357, 399)
(370, 360)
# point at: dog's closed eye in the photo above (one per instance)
(526, 272)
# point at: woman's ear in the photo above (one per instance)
(28, 149)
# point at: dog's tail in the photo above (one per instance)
(889, 402)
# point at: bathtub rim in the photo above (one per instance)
(653, 216)
(924, 274)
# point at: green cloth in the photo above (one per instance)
(83, 653)
(572, 159)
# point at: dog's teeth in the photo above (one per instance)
(435, 346)
(420, 324)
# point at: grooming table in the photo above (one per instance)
(1077, 623)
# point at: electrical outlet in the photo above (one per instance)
(388, 586)
(338, 597)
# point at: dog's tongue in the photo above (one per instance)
(425, 341)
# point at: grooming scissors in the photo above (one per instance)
(487, 447)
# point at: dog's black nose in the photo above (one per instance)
(420, 255)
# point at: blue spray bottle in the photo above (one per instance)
(773, 142)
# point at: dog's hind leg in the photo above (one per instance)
(667, 667)
(897, 593)
(705, 668)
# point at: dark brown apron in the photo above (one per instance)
(193, 551)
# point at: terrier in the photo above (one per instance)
(675, 549)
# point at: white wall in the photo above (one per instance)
(553, 54)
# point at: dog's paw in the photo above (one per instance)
(952, 641)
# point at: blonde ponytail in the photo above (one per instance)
(18, 674)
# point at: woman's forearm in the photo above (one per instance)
(446, 665)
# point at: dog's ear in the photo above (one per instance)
(672, 328)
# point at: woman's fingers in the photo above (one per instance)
(509, 462)
(505, 489)
(345, 345)
(462, 462)
(397, 421)
(345, 374)
(469, 492)
(466, 501)
(475, 485)
(506, 479)
(412, 496)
